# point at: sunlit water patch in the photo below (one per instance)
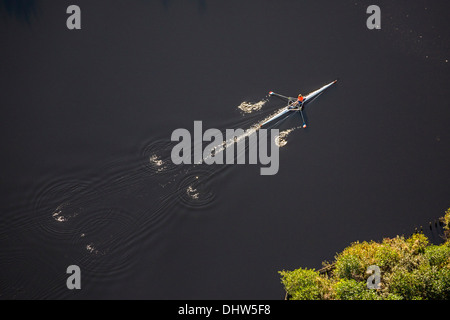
(281, 139)
(249, 107)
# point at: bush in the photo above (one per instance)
(354, 290)
(304, 284)
(352, 263)
(348, 266)
(446, 219)
(405, 284)
(417, 243)
(438, 255)
(443, 284)
(387, 255)
(434, 282)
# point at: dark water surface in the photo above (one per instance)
(87, 117)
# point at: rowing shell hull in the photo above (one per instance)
(314, 94)
(283, 112)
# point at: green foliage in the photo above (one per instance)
(354, 260)
(437, 255)
(443, 285)
(426, 282)
(417, 243)
(411, 269)
(304, 284)
(354, 290)
(404, 284)
(387, 255)
(446, 219)
(348, 266)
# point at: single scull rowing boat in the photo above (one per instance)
(296, 104)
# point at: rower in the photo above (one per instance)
(298, 104)
(300, 100)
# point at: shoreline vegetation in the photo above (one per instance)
(410, 269)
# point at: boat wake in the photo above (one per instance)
(249, 107)
(281, 139)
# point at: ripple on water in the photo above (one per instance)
(194, 189)
(156, 157)
(57, 204)
(105, 243)
(73, 220)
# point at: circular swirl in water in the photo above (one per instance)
(156, 157)
(57, 206)
(194, 189)
(281, 139)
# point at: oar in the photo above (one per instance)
(303, 118)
